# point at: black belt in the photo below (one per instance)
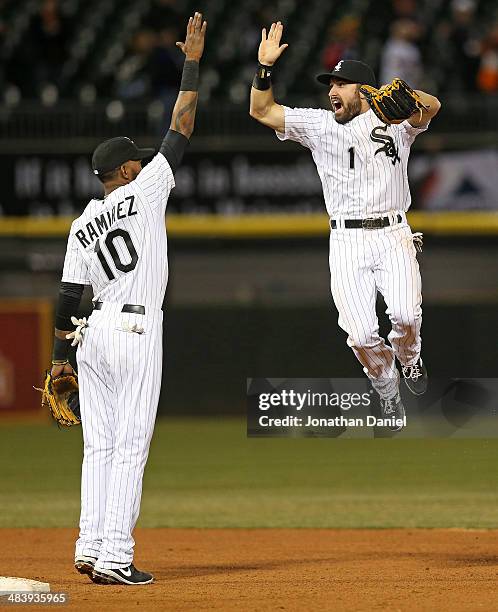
(133, 308)
(371, 223)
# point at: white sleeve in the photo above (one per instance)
(409, 133)
(303, 125)
(156, 181)
(75, 267)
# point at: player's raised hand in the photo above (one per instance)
(193, 46)
(270, 48)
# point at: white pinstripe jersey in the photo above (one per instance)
(362, 164)
(119, 245)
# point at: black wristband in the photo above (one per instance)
(190, 76)
(262, 80)
(61, 349)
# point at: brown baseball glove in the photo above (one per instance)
(60, 394)
(393, 103)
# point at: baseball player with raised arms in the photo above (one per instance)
(119, 247)
(362, 164)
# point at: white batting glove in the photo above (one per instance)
(77, 335)
(136, 329)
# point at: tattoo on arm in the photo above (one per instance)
(183, 117)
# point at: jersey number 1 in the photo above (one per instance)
(109, 243)
(351, 157)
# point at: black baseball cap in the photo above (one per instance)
(112, 153)
(350, 70)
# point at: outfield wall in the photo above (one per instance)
(249, 297)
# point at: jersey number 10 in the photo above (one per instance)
(111, 248)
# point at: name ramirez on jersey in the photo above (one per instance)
(103, 223)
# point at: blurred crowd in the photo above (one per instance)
(149, 65)
(442, 45)
(458, 51)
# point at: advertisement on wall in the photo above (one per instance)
(237, 183)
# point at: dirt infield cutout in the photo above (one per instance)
(273, 569)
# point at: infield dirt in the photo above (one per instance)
(275, 569)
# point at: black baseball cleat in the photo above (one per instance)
(85, 565)
(416, 377)
(393, 410)
(122, 575)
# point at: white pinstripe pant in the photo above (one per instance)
(120, 381)
(363, 262)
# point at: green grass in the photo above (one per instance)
(206, 473)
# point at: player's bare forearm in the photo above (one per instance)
(261, 102)
(432, 105)
(264, 109)
(183, 117)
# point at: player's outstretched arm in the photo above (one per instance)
(432, 105)
(183, 117)
(263, 106)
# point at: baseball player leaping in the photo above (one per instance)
(361, 150)
(119, 247)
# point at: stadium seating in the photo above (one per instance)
(97, 36)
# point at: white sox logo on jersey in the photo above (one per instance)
(388, 147)
(339, 151)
